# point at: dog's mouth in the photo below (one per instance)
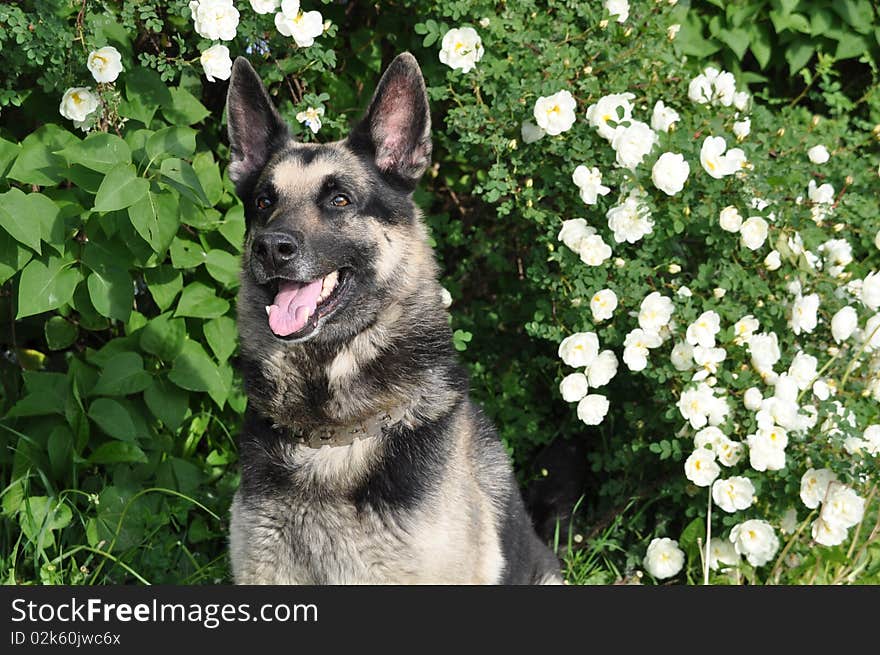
(298, 307)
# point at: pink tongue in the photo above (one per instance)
(293, 305)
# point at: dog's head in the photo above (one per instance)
(332, 231)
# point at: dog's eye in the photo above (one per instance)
(340, 200)
(264, 202)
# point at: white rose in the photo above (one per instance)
(603, 369)
(304, 27)
(579, 349)
(756, 540)
(818, 154)
(461, 48)
(105, 64)
(702, 331)
(741, 100)
(730, 219)
(574, 231)
(682, 356)
(803, 369)
(631, 220)
(216, 63)
(741, 129)
(701, 468)
(610, 111)
(574, 387)
(733, 494)
(664, 558)
(828, 534)
(265, 6)
(752, 399)
(670, 172)
(655, 312)
(636, 346)
(632, 143)
(78, 103)
(673, 30)
(592, 409)
(870, 293)
(593, 250)
(871, 436)
(773, 260)
(842, 506)
(700, 89)
(555, 114)
(717, 161)
(764, 350)
(744, 328)
(724, 87)
(753, 232)
(729, 452)
(589, 181)
(822, 195)
(602, 304)
(618, 8)
(767, 448)
(872, 333)
(311, 118)
(215, 19)
(663, 117)
(531, 132)
(804, 313)
(722, 552)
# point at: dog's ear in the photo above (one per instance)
(255, 126)
(396, 129)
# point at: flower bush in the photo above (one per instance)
(643, 255)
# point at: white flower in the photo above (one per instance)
(602, 304)
(744, 328)
(814, 486)
(216, 63)
(722, 552)
(729, 452)
(592, 409)
(700, 467)
(682, 356)
(767, 448)
(752, 399)
(818, 154)
(579, 349)
(663, 117)
(531, 132)
(872, 333)
(804, 313)
(773, 260)
(214, 19)
(842, 506)
(655, 312)
(589, 181)
(725, 87)
(713, 86)
(670, 173)
(618, 8)
(631, 220)
(664, 558)
(788, 523)
(445, 298)
(574, 231)
(733, 494)
(593, 250)
(870, 292)
(304, 27)
(702, 331)
(311, 117)
(632, 143)
(753, 232)
(710, 437)
(730, 219)
(265, 6)
(636, 346)
(615, 108)
(714, 160)
(700, 407)
(828, 534)
(77, 104)
(741, 129)
(708, 359)
(684, 292)
(485, 22)
(854, 445)
(764, 350)
(555, 114)
(603, 369)
(105, 64)
(756, 540)
(741, 100)
(672, 31)
(461, 48)
(871, 436)
(574, 387)
(837, 254)
(821, 195)
(803, 370)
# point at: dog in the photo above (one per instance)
(363, 459)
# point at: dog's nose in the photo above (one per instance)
(274, 249)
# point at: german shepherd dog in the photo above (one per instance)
(363, 460)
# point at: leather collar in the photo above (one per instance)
(344, 435)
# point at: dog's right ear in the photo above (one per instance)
(255, 126)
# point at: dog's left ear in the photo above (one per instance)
(397, 127)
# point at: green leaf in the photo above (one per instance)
(164, 284)
(185, 108)
(100, 151)
(120, 189)
(111, 293)
(737, 40)
(59, 332)
(168, 403)
(116, 452)
(173, 141)
(194, 370)
(45, 284)
(156, 219)
(13, 256)
(221, 335)
(60, 450)
(122, 376)
(163, 336)
(208, 173)
(8, 152)
(36, 162)
(798, 53)
(186, 253)
(223, 267)
(21, 224)
(761, 43)
(199, 301)
(857, 13)
(696, 529)
(233, 227)
(182, 177)
(40, 516)
(112, 417)
(145, 92)
(850, 46)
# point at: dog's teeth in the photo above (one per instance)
(268, 310)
